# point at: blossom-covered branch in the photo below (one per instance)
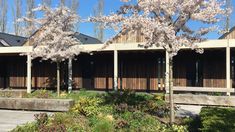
(54, 38)
(165, 23)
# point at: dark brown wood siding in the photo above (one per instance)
(141, 70)
(212, 72)
(138, 70)
(43, 74)
(233, 67)
(93, 71)
(15, 71)
(3, 73)
(215, 69)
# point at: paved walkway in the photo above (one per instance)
(9, 119)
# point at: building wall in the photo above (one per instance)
(138, 70)
(43, 74)
(93, 71)
(233, 67)
(130, 37)
(142, 73)
(209, 68)
(230, 35)
(13, 71)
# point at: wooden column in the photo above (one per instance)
(115, 69)
(167, 74)
(228, 64)
(29, 82)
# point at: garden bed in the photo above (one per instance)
(36, 104)
(104, 112)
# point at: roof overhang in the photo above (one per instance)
(16, 49)
(210, 44)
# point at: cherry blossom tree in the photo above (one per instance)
(166, 23)
(54, 40)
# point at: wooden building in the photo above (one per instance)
(136, 68)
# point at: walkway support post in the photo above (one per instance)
(29, 64)
(171, 95)
(58, 77)
(115, 69)
(70, 75)
(228, 59)
(228, 64)
(167, 73)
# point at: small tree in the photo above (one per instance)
(165, 23)
(55, 40)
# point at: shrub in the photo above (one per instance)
(28, 127)
(72, 122)
(121, 123)
(82, 93)
(127, 96)
(217, 119)
(87, 106)
(103, 126)
(138, 121)
(178, 128)
(102, 123)
(155, 107)
(192, 123)
(41, 119)
(53, 128)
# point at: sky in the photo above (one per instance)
(86, 10)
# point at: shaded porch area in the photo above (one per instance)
(137, 70)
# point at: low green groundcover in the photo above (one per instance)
(106, 112)
(218, 119)
(212, 119)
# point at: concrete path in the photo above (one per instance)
(188, 110)
(9, 119)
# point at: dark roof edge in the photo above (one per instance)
(89, 36)
(224, 35)
(13, 35)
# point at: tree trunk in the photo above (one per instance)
(171, 99)
(70, 76)
(58, 78)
